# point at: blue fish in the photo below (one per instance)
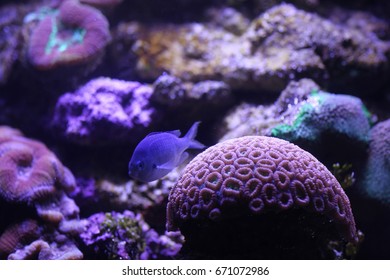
(160, 152)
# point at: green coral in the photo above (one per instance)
(283, 128)
(62, 43)
(58, 41)
(325, 113)
(344, 174)
(353, 248)
(341, 250)
(123, 229)
(316, 98)
(40, 14)
(370, 117)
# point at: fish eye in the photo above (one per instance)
(154, 166)
(140, 165)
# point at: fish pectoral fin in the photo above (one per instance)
(166, 166)
(172, 163)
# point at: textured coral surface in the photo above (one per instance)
(254, 175)
(82, 82)
(28, 170)
(127, 236)
(333, 127)
(102, 108)
(32, 176)
(280, 44)
(377, 172)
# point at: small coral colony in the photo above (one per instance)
(194, 129)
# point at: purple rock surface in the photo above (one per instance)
(104, 111)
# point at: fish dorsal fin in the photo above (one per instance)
(191, 134)
(174, 132)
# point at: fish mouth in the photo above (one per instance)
(133, 174)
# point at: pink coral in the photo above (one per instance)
(31, 174)
(17, 234)
(77, 34)
(28, 170)
(254, 175)
(61, 249)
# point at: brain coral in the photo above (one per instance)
(376, 183)
(250, 177)
(74, 35)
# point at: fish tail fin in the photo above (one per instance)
(191, 134)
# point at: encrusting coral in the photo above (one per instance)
(9, 41)
(105, 111)
(309, 117)
(281, 44)
(94, 193)
(16, 235)
(52, 246)
(238, 184)
(376, 181)
(127, 236)
(172, 92)
(322, 113)
(177, 97)
(76, 34)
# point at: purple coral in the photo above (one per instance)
(76, 35)
(104, 111)
(55, 246)
(28, 170)
(253, 176)
(17, 234)
(31, 175)
(9, 41)
(127, 236)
